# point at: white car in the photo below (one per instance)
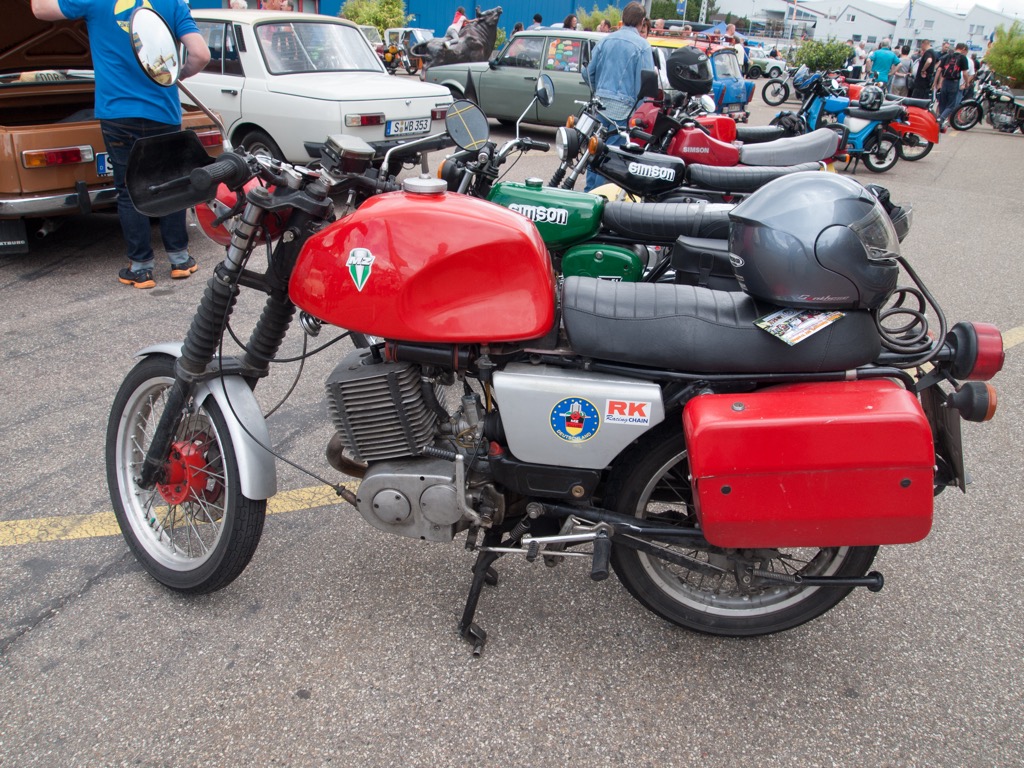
(283, 82)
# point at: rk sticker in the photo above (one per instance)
(360, 263)
(627, 412)
(575, 420)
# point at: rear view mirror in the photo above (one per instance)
(649, 85)
(155, 48)
(467, 124)
(158, 172)
(545, 90)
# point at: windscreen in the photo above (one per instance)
(293, 47)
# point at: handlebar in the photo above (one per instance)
(230, 169)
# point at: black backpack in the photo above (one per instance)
(951, 67)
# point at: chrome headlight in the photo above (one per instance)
(567, 143)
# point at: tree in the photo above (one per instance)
(382, 14)
(592, 19)
(823, 56)
(1006, 56)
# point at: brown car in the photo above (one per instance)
(52, 158)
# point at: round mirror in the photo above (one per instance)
(707, 102)
(466, 123)
(545, 90)
(156, 50)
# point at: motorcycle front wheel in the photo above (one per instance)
(711, 597)
(912, 147)
(775, 92)
(196, 532)
(883, 154)
(965, 117)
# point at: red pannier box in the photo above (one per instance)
(811, 465)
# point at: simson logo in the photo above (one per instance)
(697, 150)
(540, 214)
(652, 172)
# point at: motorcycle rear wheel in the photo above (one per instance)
(775, 92)
(883, 153)
(196, 533)
(655, 485)
(965, 117)
(912, 147)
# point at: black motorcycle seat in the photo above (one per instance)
(689, 328)
(703, 261)
(666, 221)
(909, 102)
(883, 114)
(816, 145)
(758, 134)
(741, 178)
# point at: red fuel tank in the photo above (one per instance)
(697, 148)
(429, 266)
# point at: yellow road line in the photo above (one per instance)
(67, 527)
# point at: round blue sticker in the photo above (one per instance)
(575, 420)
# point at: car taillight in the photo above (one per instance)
(355, 121)
(41, 158)
(210, 138)
(439, 113)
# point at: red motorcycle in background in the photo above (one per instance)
(737, 457)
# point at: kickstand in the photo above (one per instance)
(483, 573)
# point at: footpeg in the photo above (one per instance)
(602, 555)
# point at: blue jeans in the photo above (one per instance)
(948, 98)
(615, 139)
(120, 136)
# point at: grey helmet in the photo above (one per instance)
(871, 98)
(814, 241)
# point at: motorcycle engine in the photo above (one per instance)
(391, 418)
(1002, 116)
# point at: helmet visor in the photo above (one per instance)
(878, 235)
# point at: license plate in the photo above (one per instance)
(402, 127)
(103, 165)
(733, 108)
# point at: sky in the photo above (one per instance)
(1007, 7)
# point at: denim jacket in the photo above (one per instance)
(614, 71)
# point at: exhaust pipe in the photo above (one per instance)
(48, 227)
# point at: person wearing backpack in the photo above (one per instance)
(947, 81)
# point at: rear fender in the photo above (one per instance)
(257, 471)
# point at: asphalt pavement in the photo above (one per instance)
(338, 644)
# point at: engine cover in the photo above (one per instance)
(411, 497)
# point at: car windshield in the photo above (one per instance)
(295, 47)
(372, 34)
(727, 64)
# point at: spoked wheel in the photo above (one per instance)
(965, 117)
(716, 595)
(912, 147)
(195, 531)
(775, 92)
(883, 154)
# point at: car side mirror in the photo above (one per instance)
(545, 90)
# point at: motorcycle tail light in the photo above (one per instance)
(978, 353)
(42, 158)
(356, 121)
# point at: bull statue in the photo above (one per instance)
(475, 42)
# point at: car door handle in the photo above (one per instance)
(529, 78)
(231, 91)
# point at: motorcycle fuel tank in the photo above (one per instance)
(562, 216)
(811, 465)
(695, 146)
(640, 173)
(429, 267)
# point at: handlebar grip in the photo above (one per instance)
(230, 169)
(636, 133)
(529, 143)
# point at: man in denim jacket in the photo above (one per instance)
(614, 74)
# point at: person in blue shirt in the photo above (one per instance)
(614, 75)
(129, 107)
(883, 61)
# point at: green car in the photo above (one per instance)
(761, 64)
(505, 85)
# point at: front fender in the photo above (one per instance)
(257, 471)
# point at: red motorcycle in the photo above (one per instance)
(737, 457)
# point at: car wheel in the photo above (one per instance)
(776, 72)
(258, 143)
(754, 72)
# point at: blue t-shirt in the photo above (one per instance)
(122, 88)
(882, 61)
